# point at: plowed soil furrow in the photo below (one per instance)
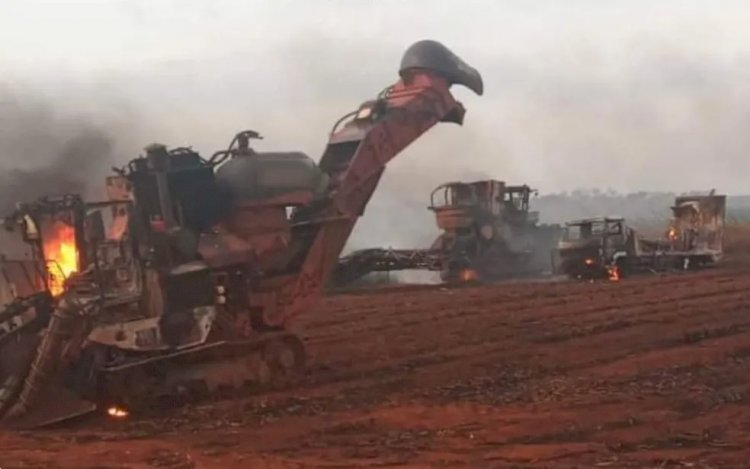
(592, 319)
(535, 296)
(652, 371)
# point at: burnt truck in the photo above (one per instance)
(607, 247)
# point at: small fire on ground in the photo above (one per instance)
(60, 255)
(613, 273)
(117, 412)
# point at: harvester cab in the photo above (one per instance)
(516, 205)
(67, 236)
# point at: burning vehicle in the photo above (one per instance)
(606, 247)
(183, 283)
(488, 233)
(596, 248)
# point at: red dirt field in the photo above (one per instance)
(646, 372)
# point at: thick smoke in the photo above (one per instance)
(48, 150)
(657, 120)
(580, 95)
(70, 172)
(640, 115)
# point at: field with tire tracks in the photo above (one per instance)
(646, 372)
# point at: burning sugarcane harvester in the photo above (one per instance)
(608, 248)
(182, 284)
(488, 232)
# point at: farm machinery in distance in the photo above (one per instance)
(607, 247)
(488, 232)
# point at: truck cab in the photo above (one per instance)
(593, 247)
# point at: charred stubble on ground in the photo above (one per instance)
(645, 372)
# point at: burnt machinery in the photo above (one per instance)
(488, 232)
(606, 247)
(182, 284)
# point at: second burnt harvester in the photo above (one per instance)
(488, 232)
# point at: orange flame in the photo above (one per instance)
(672, 234)
(117, 412)
(614, 273)
(467, 275)
(60, 255)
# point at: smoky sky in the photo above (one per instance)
(578, 94)
(44, 151)
(51, 146)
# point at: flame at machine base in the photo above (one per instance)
(468, 275)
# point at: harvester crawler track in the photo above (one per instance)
(215, 370)
(20, 322)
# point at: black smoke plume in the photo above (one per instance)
(48, 150)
